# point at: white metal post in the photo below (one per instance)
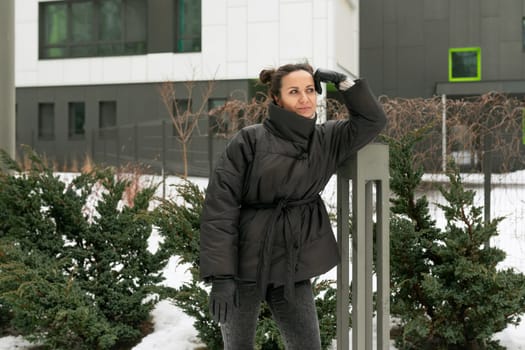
(368, 167)
(7, 76)
(444, 132)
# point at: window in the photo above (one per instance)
(464, 64)
(107, 117)
(217, 122)
(107, 114)
(46, 121)
(181, 106)
(77, 119)
(188, 26)
(87, 28)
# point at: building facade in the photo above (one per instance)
(422, 48)
(83, 65)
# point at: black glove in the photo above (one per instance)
(223, 298)
(327, 76)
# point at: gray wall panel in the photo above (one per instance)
(411, 69)
(374, 57)
(510, 68)
(490, 48)
(510, 20)
(390, 10)
(374, 14)
(390, 35)
(436, 10)
(459, 25)
(490, 8)
(473, 18)
(410, 24)
(390, 72)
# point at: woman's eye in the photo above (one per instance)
(310, 90)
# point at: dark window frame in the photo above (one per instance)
(97, 46)
(181, 37)
(46, 134)
(107, 127)
(75, 133)
(217, 125)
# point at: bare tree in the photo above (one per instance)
(239, 111)
(469, 122)
(183, 113)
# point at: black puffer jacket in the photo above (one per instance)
(263, 219)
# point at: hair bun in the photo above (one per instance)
(266, 76)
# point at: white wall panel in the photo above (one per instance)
(96, 71)
(214, 54)
(160, 67)
(320, 9)
(237, 35)
(263, 11)
(26, 11)
(296, 32)
(138, 68)
(26, 42)
(115, 69)
(237, 70)
(320, 43)
(232, 3)
(50, 72)
(263, 47)
(214, 12)
(79, 68)
(346, 36)
(26, 52)
(188, 67)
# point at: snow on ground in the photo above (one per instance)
(174, 329)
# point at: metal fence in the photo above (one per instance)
(155, 146)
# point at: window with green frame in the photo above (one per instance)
(88, 28)
(464, 64)
(188, 25)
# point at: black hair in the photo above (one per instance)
(273, 77)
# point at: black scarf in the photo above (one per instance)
(290, 126)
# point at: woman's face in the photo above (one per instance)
(298, 93)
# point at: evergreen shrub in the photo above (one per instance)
(75, 268)
(446, 288)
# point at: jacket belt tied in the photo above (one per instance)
(280, 209)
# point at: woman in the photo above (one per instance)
(265, 230)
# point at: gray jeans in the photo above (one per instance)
(297, 319)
